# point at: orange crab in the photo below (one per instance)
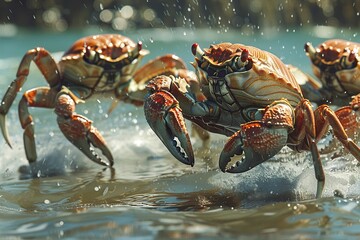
(336, 64)
(105, 64)
(249, 95)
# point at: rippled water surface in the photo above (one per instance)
(149, 194)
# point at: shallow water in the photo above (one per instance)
(149, 194)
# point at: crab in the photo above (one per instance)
(248, 95)
(100, 64)
(336, 65)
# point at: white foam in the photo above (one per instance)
(278, 177)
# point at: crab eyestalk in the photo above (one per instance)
(135, 51)
(348, 60)
(197, 51)
(311, 51)
(91, 56)
(244, 61)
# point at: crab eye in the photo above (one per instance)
(91, 56)
(348, 62)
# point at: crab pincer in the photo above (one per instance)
(166, 119)
(245, 143)
(79, 130)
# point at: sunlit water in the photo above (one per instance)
(149, 194)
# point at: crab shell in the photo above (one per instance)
(115, 52)
(262, 80)
(339, 58)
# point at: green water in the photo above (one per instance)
(148, 194)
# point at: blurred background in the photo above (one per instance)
(122, 15)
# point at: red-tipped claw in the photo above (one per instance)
(165, 118)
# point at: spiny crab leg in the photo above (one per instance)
(165, 118)
(79, 130)
(48, 68)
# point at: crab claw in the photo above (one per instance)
(255, 142)
(94, 138)
(166, 120)
(79, 131)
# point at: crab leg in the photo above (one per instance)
(79, 130)
(325, 117)
(38, 97)
(168, 64)
(48, 68)
(311, 133)
(348, 116)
